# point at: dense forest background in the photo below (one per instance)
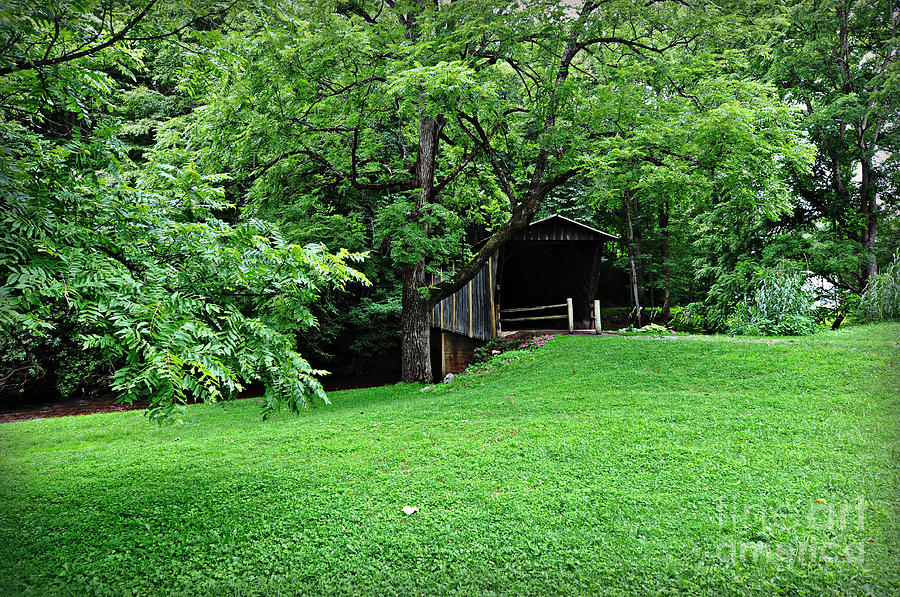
(199, 195)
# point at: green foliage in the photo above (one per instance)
(499, 345)
(484, 352)
(488, 364)
(143, 111)
(881, 300)
(137, 266)
(712, 165)
(356, 335)
(186, 305)
(435, 232)
(357, 332)
(613, 465)
(56, 359)
(689, 318)
(183, 194)
(443, 86)
(780, 305)
(834, 306)
(838, 59)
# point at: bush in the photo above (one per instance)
(689, 318)
(51, 362)
(781, 305)
(835, 305)
(881, 300)
(484, 353)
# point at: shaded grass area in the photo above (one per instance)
(616, 465)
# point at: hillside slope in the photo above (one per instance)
(601, 465)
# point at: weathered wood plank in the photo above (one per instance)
(524, 309)
(471, 286)
(540, 317)
(492, 263)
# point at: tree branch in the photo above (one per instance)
(459, 168)
(349, 7)
(484, 140)
(22, 66)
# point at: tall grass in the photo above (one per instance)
(781, 305)
(881, 300)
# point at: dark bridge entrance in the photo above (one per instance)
(526, 285)
(535, 274)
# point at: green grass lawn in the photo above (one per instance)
(632, 465)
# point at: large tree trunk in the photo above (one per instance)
(869, 210)
(416, 345)
(664, 256)
(635, 294)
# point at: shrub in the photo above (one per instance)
(484, 353)
(518, 341)
(881, 300)
(781, 305)
(535, 342)
(691, 319)
(50, 362)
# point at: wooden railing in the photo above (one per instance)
(522, 310)
(520, 314)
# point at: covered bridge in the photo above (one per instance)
(544, 277)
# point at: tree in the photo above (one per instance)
(133, 259)
(432, 117)
(408, 128)
(702, 160)
(838, 59)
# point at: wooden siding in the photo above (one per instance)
(470, 311)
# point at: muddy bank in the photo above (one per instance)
(63, 407)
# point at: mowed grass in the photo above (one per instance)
(633, 465)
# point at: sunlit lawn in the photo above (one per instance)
(634, 465)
